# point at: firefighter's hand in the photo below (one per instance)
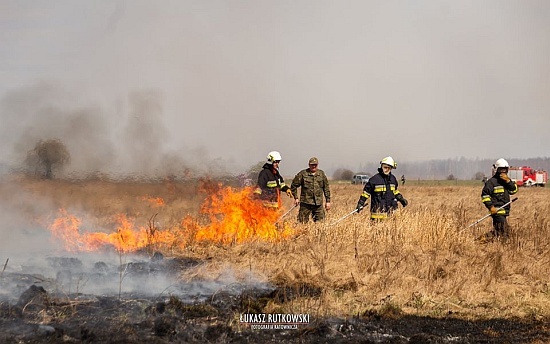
(289, 193)
(255, 196)
(296, 202)
(327, 206)
(401, 200)
(504, 177)
(359, 207)
(493, 210)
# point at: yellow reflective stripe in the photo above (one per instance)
(271, 184)
(515, 189)
(365, 194)
(378, 216)
(258, 191)
(396, 192)
(485, 198)
(498, 189)
(381, 188)
(282, 184)
(501, 212)
(268, 204)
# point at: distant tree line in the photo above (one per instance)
(458, 168)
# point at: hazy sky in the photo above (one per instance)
(147, 83)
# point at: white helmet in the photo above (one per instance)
(273, 156)
(388, 161)
(501, 163)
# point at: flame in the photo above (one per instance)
(153, 201)
(126, 238)
(236, 217)
(65, 228)
(233, 216)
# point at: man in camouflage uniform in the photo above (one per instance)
(313, 185)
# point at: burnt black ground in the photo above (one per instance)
(39, 317)
(33, 309)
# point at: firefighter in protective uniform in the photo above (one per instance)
(382, 189)
(271, 183)
(496, 192)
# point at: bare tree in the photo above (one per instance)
(479, 176)
(342, 174)
(47, 157)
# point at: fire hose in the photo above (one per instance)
(285, 214)
(346, 216)
(486, 216)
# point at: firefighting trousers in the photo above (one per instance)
(500, 225)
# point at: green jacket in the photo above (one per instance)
(313, 187)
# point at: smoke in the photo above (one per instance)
(110, 274)
(128, 137)
(349, 84)
(46, 111)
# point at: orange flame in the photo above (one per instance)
(126, 238)
(65, 228)
(234, 217)
(154, 201)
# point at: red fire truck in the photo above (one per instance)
(526, 176)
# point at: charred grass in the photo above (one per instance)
(419, 274)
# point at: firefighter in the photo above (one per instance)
(382, 189)
(313, 184)
(271, 183)
(496, 192)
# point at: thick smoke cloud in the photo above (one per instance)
(46, 111)
(127, 138)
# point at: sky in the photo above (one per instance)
(160, 86)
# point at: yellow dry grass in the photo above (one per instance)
(422, 261)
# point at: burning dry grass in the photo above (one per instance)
(422, 261)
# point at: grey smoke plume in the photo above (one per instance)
(128, 137)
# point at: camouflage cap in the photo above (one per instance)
(314, 161)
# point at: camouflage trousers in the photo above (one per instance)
(317, 212)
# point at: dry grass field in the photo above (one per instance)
(423, 261)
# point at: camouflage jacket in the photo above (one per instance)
(313, 187)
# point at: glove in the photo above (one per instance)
(504, 177)
(359, 207)
(402, 200)
(493, 210)
(289, 193)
